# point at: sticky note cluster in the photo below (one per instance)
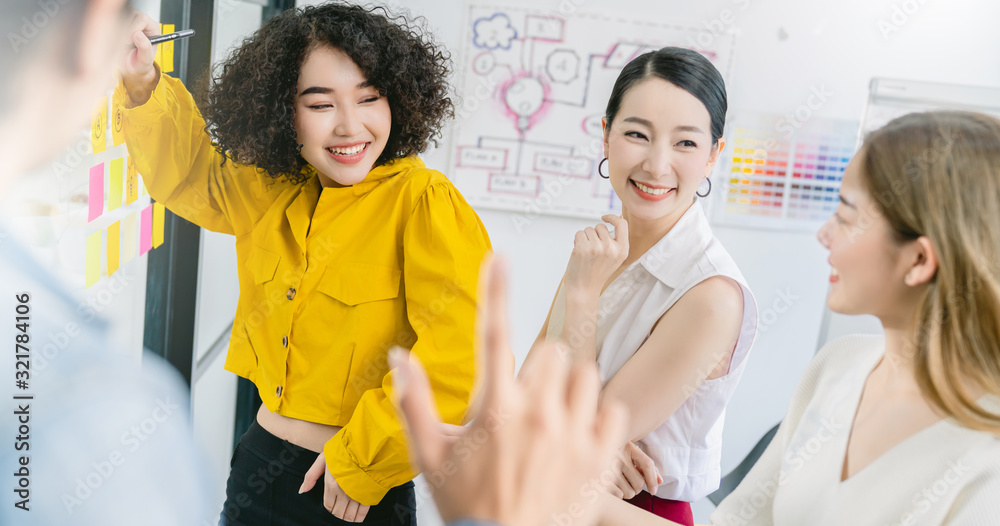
(123, 182)
(114, 184)
(135, 235)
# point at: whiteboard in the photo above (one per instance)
(891, 98)
(533, 88)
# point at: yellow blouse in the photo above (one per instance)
(330, 280)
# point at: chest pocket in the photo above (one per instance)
(359, 283)
(262, 264)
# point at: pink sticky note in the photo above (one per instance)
(96, 197)
(146, 230)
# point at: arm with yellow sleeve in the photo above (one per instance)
(180, 166)
(444, 244)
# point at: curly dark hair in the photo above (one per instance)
(248, 108)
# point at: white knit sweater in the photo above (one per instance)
(944, 474)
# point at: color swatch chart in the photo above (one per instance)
(756, 179)
(779, 176)
(817, 169)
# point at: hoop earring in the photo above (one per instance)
(604, 160)
(709, 179)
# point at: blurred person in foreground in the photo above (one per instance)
(101, 440)
(539, 445)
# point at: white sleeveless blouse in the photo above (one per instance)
(687, 448)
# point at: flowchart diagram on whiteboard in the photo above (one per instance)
(533, 88)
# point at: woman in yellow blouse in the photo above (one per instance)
(347, 245)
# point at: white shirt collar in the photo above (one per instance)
(672, 257)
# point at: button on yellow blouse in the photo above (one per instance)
(330, 280)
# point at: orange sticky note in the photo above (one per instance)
(114, 240)
(117, 137)
(99, 127)
(158, 218)
(93, 269)
(167, 55)
(131, 182)
(115, 182)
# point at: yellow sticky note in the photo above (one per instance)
(131, 182)
(129, 237)
(167, 55)
(114, 238)
(117, 137)
(99, 127)
(158, 218)
(93, 271)
(115, 182)
(158, 58)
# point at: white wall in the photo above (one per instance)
(785, 48)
